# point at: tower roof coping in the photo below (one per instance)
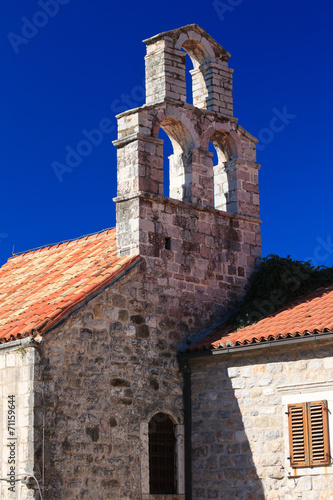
(220, 53)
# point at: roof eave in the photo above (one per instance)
(250, 347)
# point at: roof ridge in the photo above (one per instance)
(63, 242)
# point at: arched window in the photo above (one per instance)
(167, 152)
(162, 455)
(177, 168)
(188, 78)
(225, 183)
(200, 57)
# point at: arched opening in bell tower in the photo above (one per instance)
(167, 152)
(225, 182)
(177, 159)
(189, 79)
(196, 82)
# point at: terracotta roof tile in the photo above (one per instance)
(37, 288)
(308, 315)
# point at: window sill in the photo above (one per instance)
(317, 470)
(155, 496)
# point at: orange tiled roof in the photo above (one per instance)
(308, 315)
(39, 287)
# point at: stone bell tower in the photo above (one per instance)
(204, 239)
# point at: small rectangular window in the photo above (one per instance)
(308, 434)
(168, 243)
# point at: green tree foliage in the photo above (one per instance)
(277, 282)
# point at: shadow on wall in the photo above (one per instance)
(222, 465)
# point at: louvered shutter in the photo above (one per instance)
(298, 436)
(318, 433)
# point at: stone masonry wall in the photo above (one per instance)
(16, 413)
(212, 253)
(106, 370)
(208, 265)
(112, 365)
(240, 444)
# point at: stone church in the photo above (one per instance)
(118, 379)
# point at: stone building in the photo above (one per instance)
(96, 402)
(262, 406)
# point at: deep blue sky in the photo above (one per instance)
(78, 69)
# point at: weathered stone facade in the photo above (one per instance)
(19, 429)
(106, 370)
(210, 224)
(240, 431)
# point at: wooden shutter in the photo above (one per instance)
(298, 435)
(308, 434)
(318, 433)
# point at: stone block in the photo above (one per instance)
(233, 372)
(11, 359)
